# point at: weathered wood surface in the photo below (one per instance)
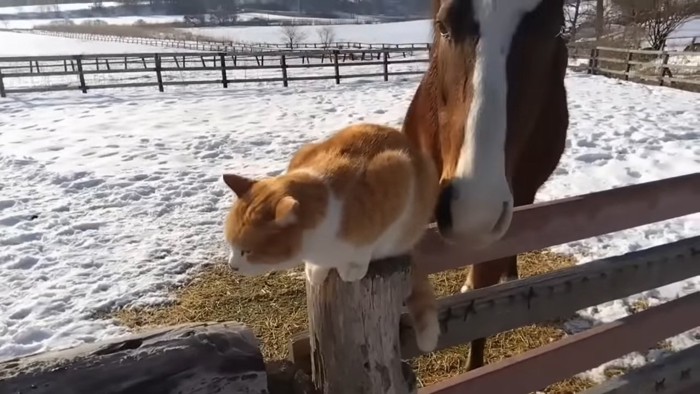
(190, 359)
(678, 372)
(485, 312)
(354, 331)
(535, 369)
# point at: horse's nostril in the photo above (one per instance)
(443, 211)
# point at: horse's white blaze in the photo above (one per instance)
(483, 204)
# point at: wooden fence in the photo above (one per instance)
(186, 68)
(486, 312)
(657, 67)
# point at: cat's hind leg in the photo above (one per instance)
(315, 274)
(422, 307)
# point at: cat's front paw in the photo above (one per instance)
(427, 332)
(352, 272)
(315, 274)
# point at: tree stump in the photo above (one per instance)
(354, 331)
(192, 358)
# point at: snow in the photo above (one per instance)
(115, 20)
(683, 35)
(417, 31)
(110, 198)
(27, 44)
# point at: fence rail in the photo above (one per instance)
(19, 74)
(675, 69)
(560, 294)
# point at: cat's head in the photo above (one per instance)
(262, 228)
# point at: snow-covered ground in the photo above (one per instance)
(417, 31)
(27, 44)
(683, 35)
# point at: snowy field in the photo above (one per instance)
(110, 198)
(417, 31)
(27, 44)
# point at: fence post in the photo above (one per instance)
(354, 331)
(336, 66)
(2, 86)
(224, 78)
(386, 66)
(158, 72)
(662, 72)
(79, 62)
(591, 61)
(628, 66)
(283, 63)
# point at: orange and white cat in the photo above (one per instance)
(363, 194)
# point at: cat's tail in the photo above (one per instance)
(422, 306)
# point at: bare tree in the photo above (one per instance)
(326, 35)
(572, 19)
(659, 18)
(292, 35)
(599, 19)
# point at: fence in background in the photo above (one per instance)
(556, 295)
(676, 69)
(195, 68)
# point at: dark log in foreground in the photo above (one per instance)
(354, 331)
(196, 358)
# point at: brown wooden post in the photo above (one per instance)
(662, 72)
(336, 66)
(224, 78)
(283, 63)
(79, 62)
(107, 64)
(2, 86)
(354, 331)
(65, 65)
(159, 76)
(386, 66)
(628, 66)
(591, 63)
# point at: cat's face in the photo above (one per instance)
(262, 228)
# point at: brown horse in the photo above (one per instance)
(492, 111)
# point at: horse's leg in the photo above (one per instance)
(483, 275)
(537, 163)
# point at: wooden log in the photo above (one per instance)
(354, 331)
(190, 358)
(159, 74)
(336, 66)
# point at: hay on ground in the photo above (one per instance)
(274, 307)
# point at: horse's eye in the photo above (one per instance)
(442, 29)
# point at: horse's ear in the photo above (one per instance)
(239, 184)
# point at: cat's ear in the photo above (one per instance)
(239, 184)
(286, 211)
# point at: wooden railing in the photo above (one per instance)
(57, 73)
(659, 67)
(556, 295)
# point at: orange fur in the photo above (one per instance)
(362, 194)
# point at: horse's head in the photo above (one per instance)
(489, 72)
